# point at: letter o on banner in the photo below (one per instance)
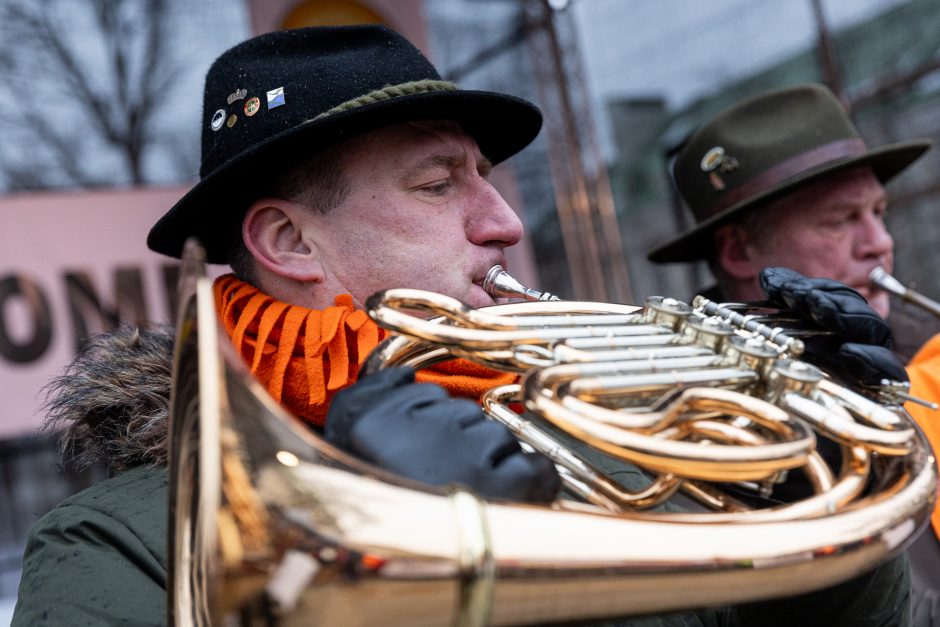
(37, 342)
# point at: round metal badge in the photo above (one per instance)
(252, 105)
(712, 159)
(218, 119)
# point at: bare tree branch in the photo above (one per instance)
(102, 72)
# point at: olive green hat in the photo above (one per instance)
(762, 147)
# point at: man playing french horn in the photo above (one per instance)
(796, 186)
(365, 171)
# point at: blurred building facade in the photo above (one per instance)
(886, 68)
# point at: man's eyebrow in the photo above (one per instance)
(851, 205)
(484, 167)
(432, 161)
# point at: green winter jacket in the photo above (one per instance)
(99, 558)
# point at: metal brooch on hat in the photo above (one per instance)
(238, 94)
(218, 119)
(715, 161)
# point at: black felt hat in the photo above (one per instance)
(763, 147)
(274, 100)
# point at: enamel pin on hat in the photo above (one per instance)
(715, 161)
(275, 98)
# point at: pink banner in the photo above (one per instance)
(71, 265)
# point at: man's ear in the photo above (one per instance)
(274, 232)
(734, 253)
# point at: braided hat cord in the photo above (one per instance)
(391, 91)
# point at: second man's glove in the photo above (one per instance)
(832, 305)
(416, 430)
(859, 347)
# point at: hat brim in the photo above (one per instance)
(696, 243)
(502, 125)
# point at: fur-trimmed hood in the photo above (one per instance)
(111, 404)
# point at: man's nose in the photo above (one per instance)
(875, 241)
(491, 219)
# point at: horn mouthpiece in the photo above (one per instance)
(879, 277)
(499, 284)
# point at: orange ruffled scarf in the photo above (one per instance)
(304, 356)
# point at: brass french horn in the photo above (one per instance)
(270, 524)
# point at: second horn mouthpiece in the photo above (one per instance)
(880, 278)
(500, 284)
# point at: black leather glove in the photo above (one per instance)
(859, 347)
(832, 305)
(416, 430)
